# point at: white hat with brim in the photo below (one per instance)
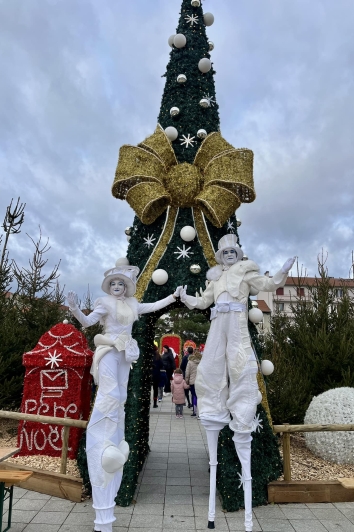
(227, 242)
(125, 273)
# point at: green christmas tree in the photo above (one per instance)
(184, 175)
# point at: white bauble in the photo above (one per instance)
(208, 19)
(267, 367)
(204, 65)
(188, 233)
(171, 133)
(179, 40)
(253, 291)
(202, 134)
(65, 322)
(259, 397)
(255, 315)
(181, 78)
(171, 39)
(160, 277)
(335, 406)
(174, 111)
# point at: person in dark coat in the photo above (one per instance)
(184, 363)
(169, 365)
(157, 366)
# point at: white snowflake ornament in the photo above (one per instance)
(257, 424)
(149, 241)
(188, 141)
(192, 19)
(183, 252)
(53, 360)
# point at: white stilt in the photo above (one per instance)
(243, 448)
(212, 437)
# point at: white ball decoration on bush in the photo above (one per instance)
(188, 233)
(179, 40)
(335, 406)
(267, 367)
(259, 397)
(160, 277)
(255, 315)
(171, 39)
(171, 133)
(204, 65)
(208, 19)
(253, 291)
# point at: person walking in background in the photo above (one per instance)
(162, 383)
(157, 366)
(191, 375)
(178, 386)
(169, 365)
(189, 351)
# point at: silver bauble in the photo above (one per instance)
(195, 268)
(254, 304)
(201, 134)
(127, 230)
(182, 78)
(208, 19)
(195, 3)
(204, 103)
(238, 222)
(174, 111)
(211, 46)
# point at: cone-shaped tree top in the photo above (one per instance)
(186, 96)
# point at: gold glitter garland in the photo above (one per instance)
(204, 237)
(149, 178)
(263, 390)
(157, 254)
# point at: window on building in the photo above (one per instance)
(279, 307)
(280, 291)
(300, 292)
(339, 292)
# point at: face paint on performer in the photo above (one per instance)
(117, 288)
(229, 256)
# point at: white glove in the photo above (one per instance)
(177, 291)
(72, 300)
(288, 265)
(183, 293)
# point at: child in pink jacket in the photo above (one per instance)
(178, 385)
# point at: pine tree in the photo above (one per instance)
(203, 191)
(312, 352)
(188, 324)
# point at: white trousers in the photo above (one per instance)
(227, 375)
(106, 427)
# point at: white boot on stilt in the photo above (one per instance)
(242, 442)
(212, 437)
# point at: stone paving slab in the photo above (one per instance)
(172, 494)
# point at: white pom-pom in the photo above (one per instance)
(123, 261)
(171, 133)
(179, 40)
(253, 291)
(255, 315)
(259, 397)
(188, 233)
(204, 65)
(171, 39)
(208, 19)
(160, 277)
(65, 322)
(267, 367)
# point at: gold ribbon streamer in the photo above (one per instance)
(149, 177)
(156, 256)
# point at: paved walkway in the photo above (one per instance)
(173, 494)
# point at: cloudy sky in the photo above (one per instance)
(79, 78)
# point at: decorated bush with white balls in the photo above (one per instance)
(332, 407)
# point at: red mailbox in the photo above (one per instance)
(57, 383)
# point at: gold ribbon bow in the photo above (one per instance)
(150, 178)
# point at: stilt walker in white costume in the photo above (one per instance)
(227, 374)
(106, 448)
